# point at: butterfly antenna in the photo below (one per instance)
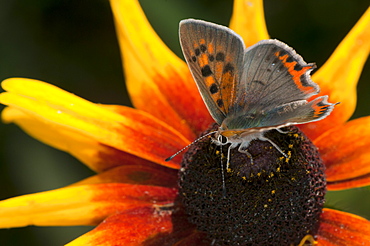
(187, 146)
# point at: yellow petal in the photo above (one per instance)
(338, 77)
(158, 81)
(79, 205)
(248, 21)
(73, 124)
(85, 149)
(144, 53)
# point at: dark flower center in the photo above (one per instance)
(272, 201)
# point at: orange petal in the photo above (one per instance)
(130, 228)
(127, 229)
(70, 123)
(361, 181)
(158, 81)
(80, 205)
(135, 174)
(338, 77)
(340, 229)
(248, 21)
(345, 152)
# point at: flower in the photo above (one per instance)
(132, 199)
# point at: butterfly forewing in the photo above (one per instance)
(273, 89)
(273, 75)
(215, 56)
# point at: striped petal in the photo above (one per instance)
(80, 205)
(89, 130)
(130, 228)
(248, 20)
(135, 174)
(340, 229)
(145, 226)
(158, 81)
(345, 152)
(338, 77)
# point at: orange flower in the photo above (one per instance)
(133, 196)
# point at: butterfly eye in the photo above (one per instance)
(222, 139)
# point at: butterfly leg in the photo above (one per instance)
(273, 144)
(282, 131)
(243, 149)
(232, 146)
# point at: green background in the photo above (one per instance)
(72, 44)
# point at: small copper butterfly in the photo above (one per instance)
(249, 91)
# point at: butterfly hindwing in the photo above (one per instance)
(215, 57)
(298, 112)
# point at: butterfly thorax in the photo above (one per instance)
(237, 128)
(234, 134)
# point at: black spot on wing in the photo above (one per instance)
(282, 53)
(303, 80)
(290, 59)
(206, 71)
(203, 48)
(298, 67)
(194, 58)
(220, 56)
(197, 51)
(323, 108)
(228, 68)
(220, 103)
(213, 88)
(211, 58)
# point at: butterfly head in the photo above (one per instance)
(225, 135)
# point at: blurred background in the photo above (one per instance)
(72, 44)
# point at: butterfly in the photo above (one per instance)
(249, 91)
